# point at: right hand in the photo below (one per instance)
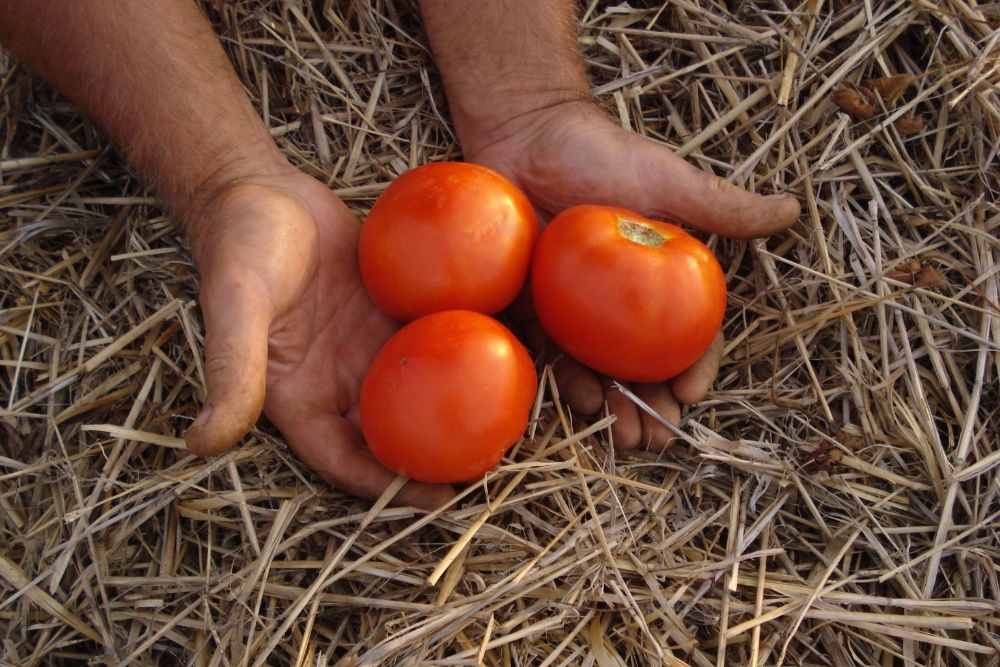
(290, 328)
(571, 154)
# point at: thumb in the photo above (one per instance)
(334, 449)
(237, 315)
(676, 189)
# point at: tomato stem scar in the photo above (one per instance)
(640, 233)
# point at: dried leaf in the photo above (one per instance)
(890, 88)
(822, 459)
(906, 272)
(850, 438)
(930, 277)
(917, 273)
(909, 125)
(851, 102)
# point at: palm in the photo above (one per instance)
(292, 245)
(564, 156)
(573, 154)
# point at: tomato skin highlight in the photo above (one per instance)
(642, 309)
(446, 396)
(447, 236)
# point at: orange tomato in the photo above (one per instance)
(446, 396)
(447, 236)
(633, 298)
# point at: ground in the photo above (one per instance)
(835, 500)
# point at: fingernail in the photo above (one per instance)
(202, 419)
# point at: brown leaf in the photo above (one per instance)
(851, 102)
(930, 277)
(909, 124)
(818, 460)
(850, 438)
(824, 458)
(906, 272)
(917, 273)
(890, 88)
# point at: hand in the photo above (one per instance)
(290, 328)
(571, 154)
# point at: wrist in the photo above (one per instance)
(196, 204)
(509, 113)
(514, 135)
(500, 63)
(188, 195)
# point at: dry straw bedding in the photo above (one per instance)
(835, 500)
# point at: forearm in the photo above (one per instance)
(502, 59)
(154, 76)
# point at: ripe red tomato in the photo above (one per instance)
(633, 298)
(446, 396)
(447, 236)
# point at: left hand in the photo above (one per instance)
(290, 328)
(570, 154)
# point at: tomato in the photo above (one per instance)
(446, 396)
(444, 236)
(633, 298)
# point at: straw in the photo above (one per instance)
(834, 500)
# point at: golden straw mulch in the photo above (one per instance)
(835, 501)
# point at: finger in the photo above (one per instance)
(578, 385)
(626, 432)
(336, 451)
(237, 317)
(677, 190)
(692, 385)
(655, 435)
(522, 309)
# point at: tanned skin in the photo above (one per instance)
(289, 327)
